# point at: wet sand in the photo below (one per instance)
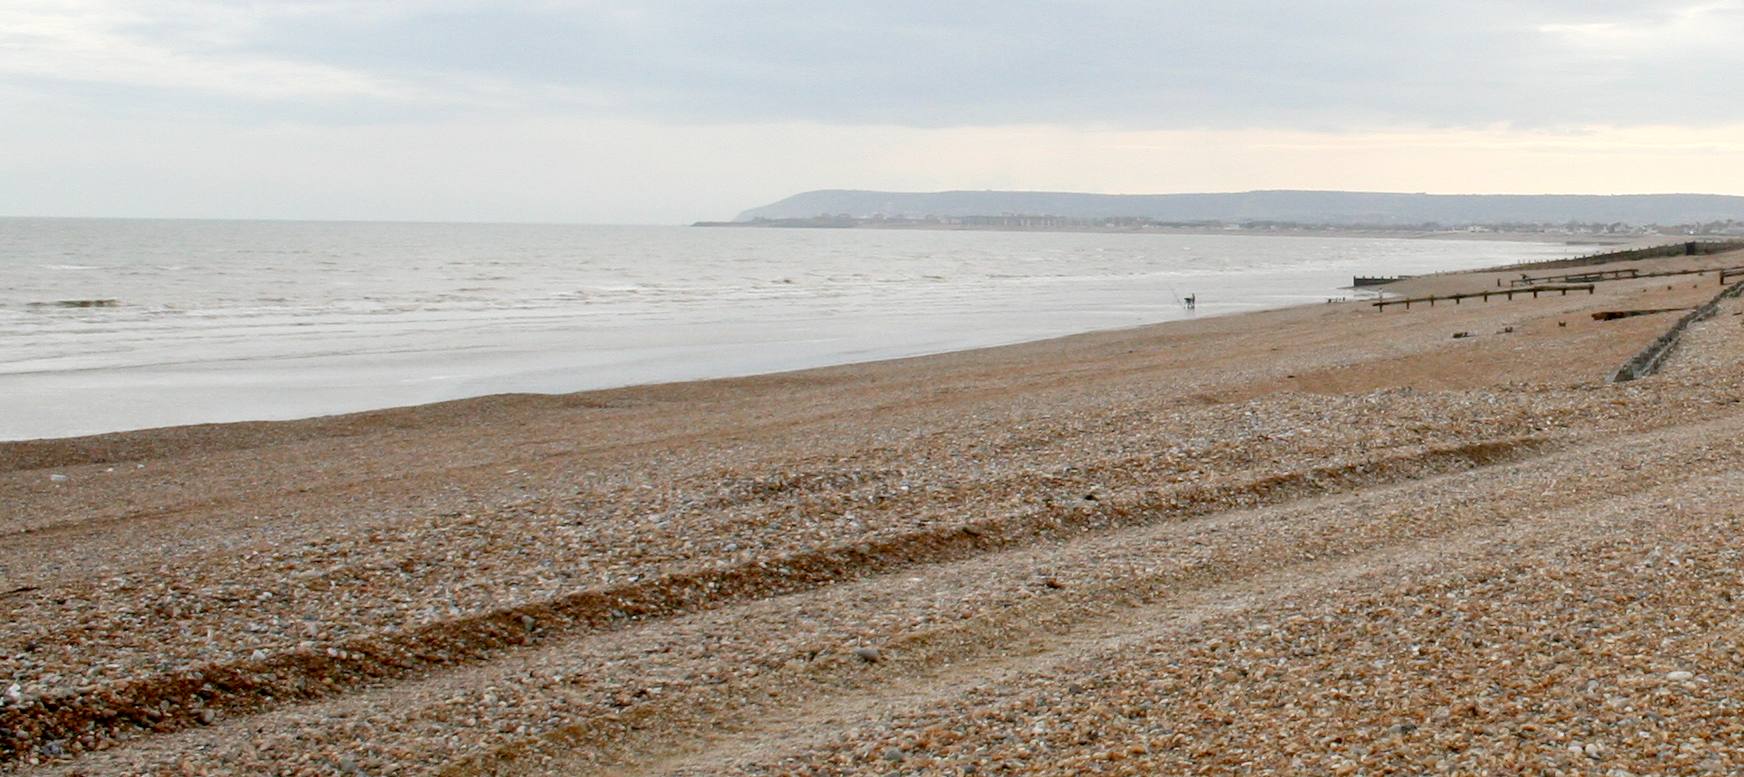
(1326, 539)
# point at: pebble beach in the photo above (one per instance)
(1327, 539)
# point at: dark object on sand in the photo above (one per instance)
(1613, 315)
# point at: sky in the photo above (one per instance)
(668, 112)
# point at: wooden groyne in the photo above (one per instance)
(1649, 360)
(1620, 275)
(1581, 277)
(1484, 295)
(1685, 248)
(1375, 280)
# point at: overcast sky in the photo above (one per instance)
(619, 112)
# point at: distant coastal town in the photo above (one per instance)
(1616, 230)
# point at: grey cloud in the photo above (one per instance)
(1328, 64)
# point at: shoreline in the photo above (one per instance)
(826, 569)
(773, 344)
(1427, 281)
(116, 444)
(411, 409)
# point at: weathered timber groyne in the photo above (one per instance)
(1483, 295)
(1653, 356)
(1702, 247)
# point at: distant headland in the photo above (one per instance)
(1569, 214)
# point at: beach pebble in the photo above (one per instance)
(58, 477)
(1162, 658)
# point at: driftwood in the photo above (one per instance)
(1613, 315)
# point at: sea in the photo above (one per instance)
(108, 325)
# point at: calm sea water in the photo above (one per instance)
(220, 321)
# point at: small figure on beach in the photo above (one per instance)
(1191, 301)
